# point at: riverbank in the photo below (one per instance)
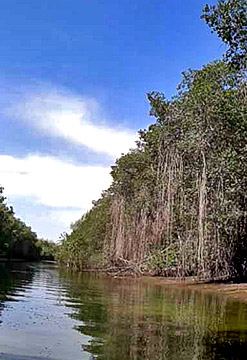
(6, 260)
(234, 290)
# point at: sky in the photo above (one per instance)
(74, 75)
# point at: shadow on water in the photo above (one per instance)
(128, 319)
(226, 346)
(13, 278)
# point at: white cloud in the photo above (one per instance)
(66, 217)
(53, 182)
(76, 119)
(62, 191)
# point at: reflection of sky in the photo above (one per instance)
(35, 323)
(73, 80)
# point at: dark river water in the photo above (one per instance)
(47, 313)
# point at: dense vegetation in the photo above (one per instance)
(47, 249)
(17, 240)
(177, 204)
(229, 20)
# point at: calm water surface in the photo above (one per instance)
(47, 313)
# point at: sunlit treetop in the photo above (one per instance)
(229, 20)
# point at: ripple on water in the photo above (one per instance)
(47, 313)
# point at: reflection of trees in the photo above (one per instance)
(234, 348)
(13, 278)
(132, 320)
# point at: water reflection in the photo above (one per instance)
(14, 278)
(35, 324)
(61, 315)
(129, 319)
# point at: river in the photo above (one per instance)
(50, 313)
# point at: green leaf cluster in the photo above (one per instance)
(84, 246)
(229, 20)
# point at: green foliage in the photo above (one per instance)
(229, 20)
(6, 220)
(160, 260)
(47, 249)
(183, 189)
(16, 238)
(134, 172)
(84, 246)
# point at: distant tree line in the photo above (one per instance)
(178, 201)
(47, 249)
(17, 240)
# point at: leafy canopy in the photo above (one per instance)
(229, 20)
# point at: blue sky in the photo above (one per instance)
(73, 79)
